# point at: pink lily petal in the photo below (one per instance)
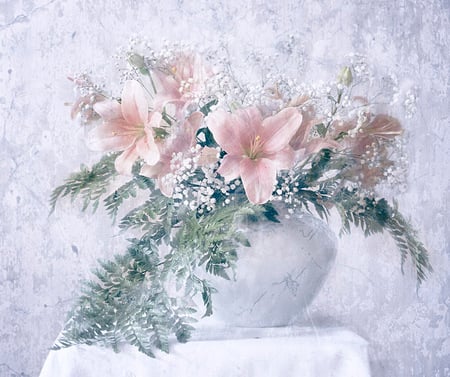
(229, 168)
(219, 123)
(256, 148)
(166, 185)
(194, 122)
(300, 154)
(384, 126)
(242, 118)
(250, 115)
(279, 129)
(124, 163)
(151, 171)
(284, 159)
(184, 138)
(225, 128)
(208, 156)
(155, 120)
(259, 178)
(110, 136)
(301, 136)
(118, 127)
(108, 110)
(134, 103)
(166, 85)
(146, 149)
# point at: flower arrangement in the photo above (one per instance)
(199, 151)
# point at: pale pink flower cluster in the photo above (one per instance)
(255, 145)
(257, 148)
(368, 143)
(140, 127)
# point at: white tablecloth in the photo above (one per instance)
(302, 352)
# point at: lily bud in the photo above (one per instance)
(345, 76)
(138, 61)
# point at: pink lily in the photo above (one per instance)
(180, 81)
(368, 140)
(180, 141)
(256, 148)
(128, 127)
(381, 127)
(303, 145)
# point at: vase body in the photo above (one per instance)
(278, 276)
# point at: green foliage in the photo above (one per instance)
(321, 129)
(89, 184)
(211, 241)
(128, 190)
(270, 213)
(155, 217)
(93, 184)
(367, 213)
(408, 243)
(314, 191)
(319, 165)
(206, 109)
(206, 297)
(375, 216)
(205, 138)
(129, 300)
(314, 200)
(128, 303)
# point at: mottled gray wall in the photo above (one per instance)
(42, 258)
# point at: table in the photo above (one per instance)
(286, 351)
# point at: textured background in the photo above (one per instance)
(42, 258)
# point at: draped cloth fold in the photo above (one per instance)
(288, 352)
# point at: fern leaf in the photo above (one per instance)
(128, 190)
(89, 184)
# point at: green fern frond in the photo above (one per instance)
(408, 244)
(89, 184)
(128, 303)
(128, 190)
(375, 216)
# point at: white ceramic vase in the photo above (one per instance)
(279, 275)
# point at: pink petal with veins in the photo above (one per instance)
(300, 138)
(258, 178)
(110, 136)
(166, 86)
(230, 167)
(124, 163)
(147, 150)
(194, 122)
(225, 128)
(247, 124)
(166, 185)
(279, 129)
(109, 110)
(284, 159)
(134, 103)
(152, 171)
